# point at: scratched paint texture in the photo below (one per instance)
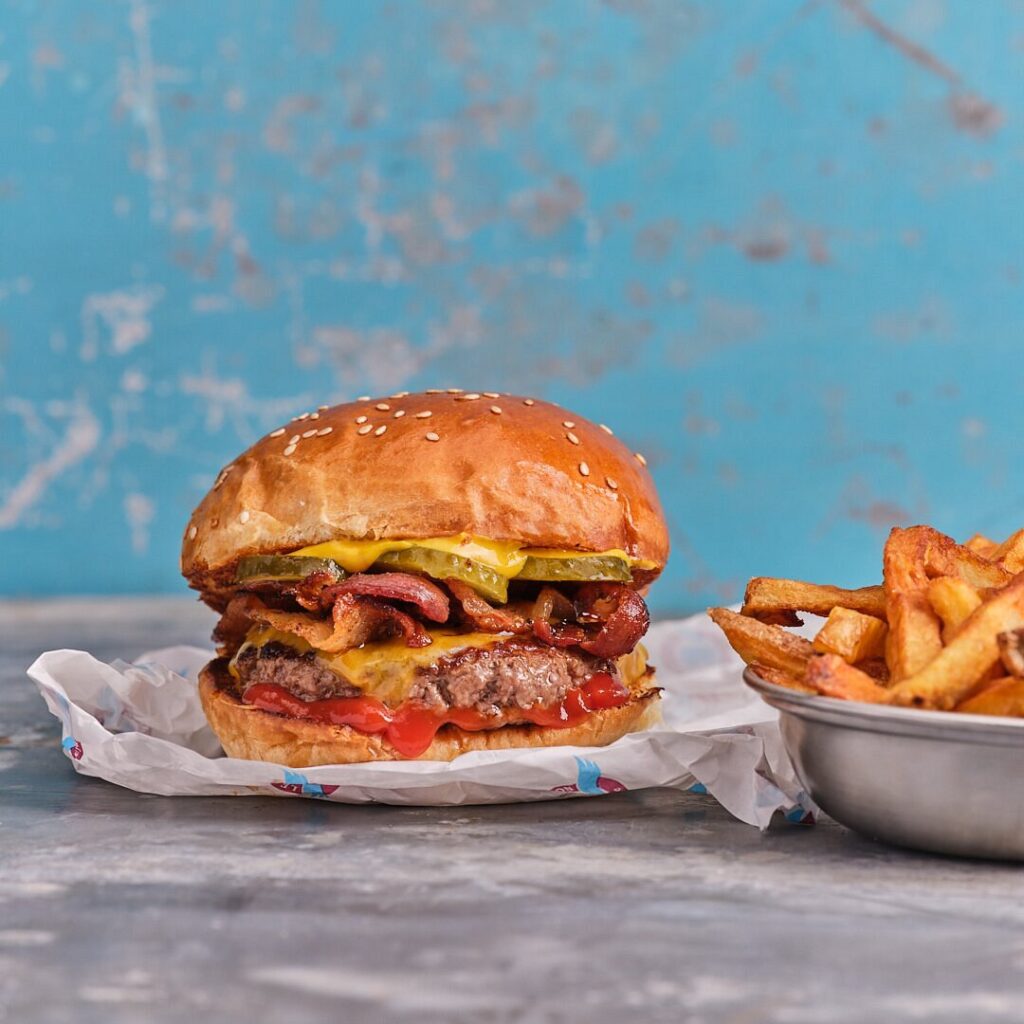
(777, 245)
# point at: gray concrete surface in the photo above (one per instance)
(652, 906)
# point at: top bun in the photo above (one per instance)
(433, 464)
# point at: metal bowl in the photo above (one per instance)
(931, 780)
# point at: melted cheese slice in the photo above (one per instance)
(506, 558)
(387, 670)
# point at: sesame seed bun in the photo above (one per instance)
(251, 733)
(433, 464)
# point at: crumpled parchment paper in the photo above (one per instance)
(141, 726)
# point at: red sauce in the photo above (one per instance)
(410, 728)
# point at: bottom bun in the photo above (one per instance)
(253, 734)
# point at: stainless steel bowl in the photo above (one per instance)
(931, 780)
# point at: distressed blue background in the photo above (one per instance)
(776, 244)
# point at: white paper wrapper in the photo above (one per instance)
(141, 726)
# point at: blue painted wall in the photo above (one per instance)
(777, 245)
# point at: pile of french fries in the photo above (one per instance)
(944, 630)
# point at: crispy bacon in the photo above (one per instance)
(551, 604)
(619, 611)
(357, 620)
(485, 616)
(428, 597)
(236, 621)
(622, 612)
(354, 621)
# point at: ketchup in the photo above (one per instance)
(410, 728)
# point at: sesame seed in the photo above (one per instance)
(491, 394)
(425, 415)
(383, 406)
(362, 419)
(572, 438)
(607, 430)
(294, 439)
(192, 531)
(243, 516)
(290, 449)
(365, 428)
(322, 407)
(400, 394)
(399, 413)
(471, 397)
(568, 424)
(380, 430)
(639, 458)
(324, 432)
(496, 409)
(276, 433)
(309, 433)
(611, 483)
(454, 391)
(431, 436)
(584, 469)
(315, 416)
(363, 398)
(527, 401)
(433, 391)
(304, 416)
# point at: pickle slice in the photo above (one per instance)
(443, 566)
(268, 568)
(583, 568)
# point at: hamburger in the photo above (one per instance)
(423, 575)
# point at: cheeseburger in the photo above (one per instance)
(422, 575)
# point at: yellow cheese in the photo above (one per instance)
(505, 557)
(387, 670)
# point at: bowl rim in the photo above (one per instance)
(953, 726)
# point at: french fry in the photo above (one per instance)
(1010, 554)
(944, 557)
(763, 644)
(915, 633)
(962, 664)
(876, 668)
(852, 635)
(767, 596)
(1011, 651)
(1003, 697)
(780, 678)
(953, 600)
(833, 677)
(912, 556)
(981, 545)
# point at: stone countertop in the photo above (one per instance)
(648, 906)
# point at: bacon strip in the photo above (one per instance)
(485, 616)
(620, 611)
(543, 612)
(354, 621)
(624, 615)
(357, 620)
(429, 598)
(229, 633)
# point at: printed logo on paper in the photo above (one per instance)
(590, 781)
(297, 784)
(72, 747)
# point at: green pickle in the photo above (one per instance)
(254, 568)
(583, 568)
(443, 566)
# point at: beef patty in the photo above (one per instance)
(513, 674)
